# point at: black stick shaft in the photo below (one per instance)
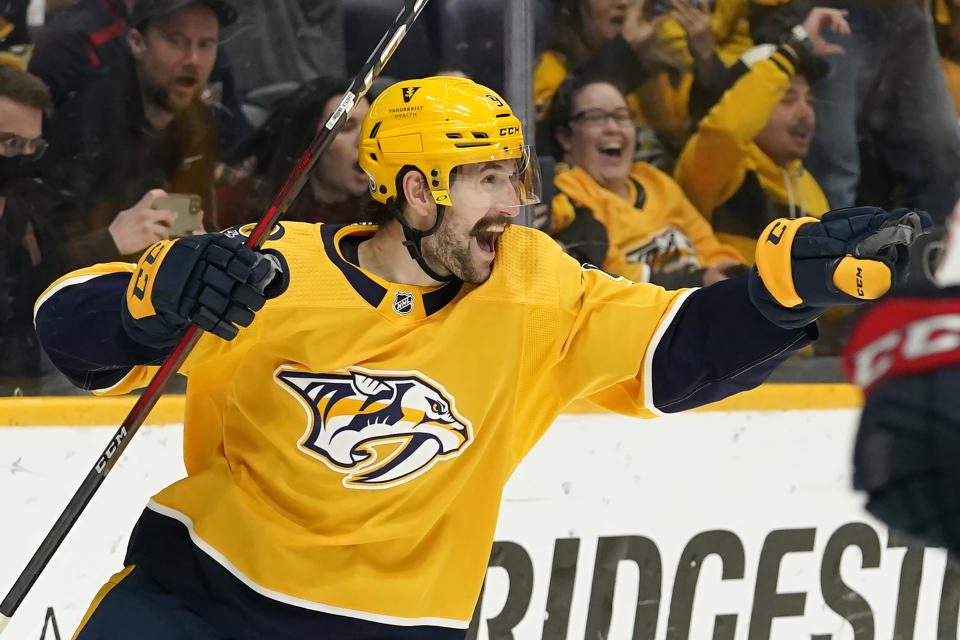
(358, 88)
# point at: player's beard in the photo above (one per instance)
(452, 251)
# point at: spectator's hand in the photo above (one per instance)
(224, 173)
(141, 225)
(718, 272)
(541, 217)
(818, 20)
(201, 230)
(638, 29)
(695, 21)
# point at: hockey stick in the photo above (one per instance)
(358, 88)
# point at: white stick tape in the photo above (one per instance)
(4, 620)
(346, 104)
(394, 43)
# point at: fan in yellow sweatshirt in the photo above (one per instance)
(629, 218)
(744, 166)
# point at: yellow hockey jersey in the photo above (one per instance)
(350, 446)
(347, 451)
(656, 226)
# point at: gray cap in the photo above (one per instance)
(144, 10)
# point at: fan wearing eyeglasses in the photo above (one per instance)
(27, 245)
(623, 40)
(627, 217)
(23, 97)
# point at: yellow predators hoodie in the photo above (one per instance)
(726, 176)
(654, 225)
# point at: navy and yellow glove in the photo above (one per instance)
(211, 280)
(849, 256)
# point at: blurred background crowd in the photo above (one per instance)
(670, 132)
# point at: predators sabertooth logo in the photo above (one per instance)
(378, 428)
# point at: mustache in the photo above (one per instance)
(188, 72)
(487, 221)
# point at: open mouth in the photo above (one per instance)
(611, 150)
(619, 20)
(801, 134)
(487, 237)
(186, 82)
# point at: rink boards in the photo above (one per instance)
(736, 523)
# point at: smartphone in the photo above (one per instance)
(657, 7)
(186, 212)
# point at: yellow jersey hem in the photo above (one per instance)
(225, 562)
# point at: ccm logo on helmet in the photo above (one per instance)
(509, 131)
(926, 338)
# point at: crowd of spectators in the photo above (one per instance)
(674, 130)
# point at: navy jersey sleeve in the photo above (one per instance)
(717, 344)
(79, 327)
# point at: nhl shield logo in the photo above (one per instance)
(403, 303)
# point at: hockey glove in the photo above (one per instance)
(905, 353)
(211, 280)
(849, 256)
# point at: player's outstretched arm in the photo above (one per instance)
(849, 256)
(97, 324)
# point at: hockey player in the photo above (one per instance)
(905, 354)
(347, 449)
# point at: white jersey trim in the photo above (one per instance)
(116, 384)
(224, 562)
(652, 350)
(69, 282)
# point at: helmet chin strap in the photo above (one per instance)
(412, 238)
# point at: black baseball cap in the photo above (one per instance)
(144, 10)
(813, 68)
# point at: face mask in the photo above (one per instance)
(16, 169)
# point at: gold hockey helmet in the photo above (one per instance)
(437, 124)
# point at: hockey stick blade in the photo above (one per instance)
(161, 380)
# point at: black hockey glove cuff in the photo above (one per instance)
(211, 280)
